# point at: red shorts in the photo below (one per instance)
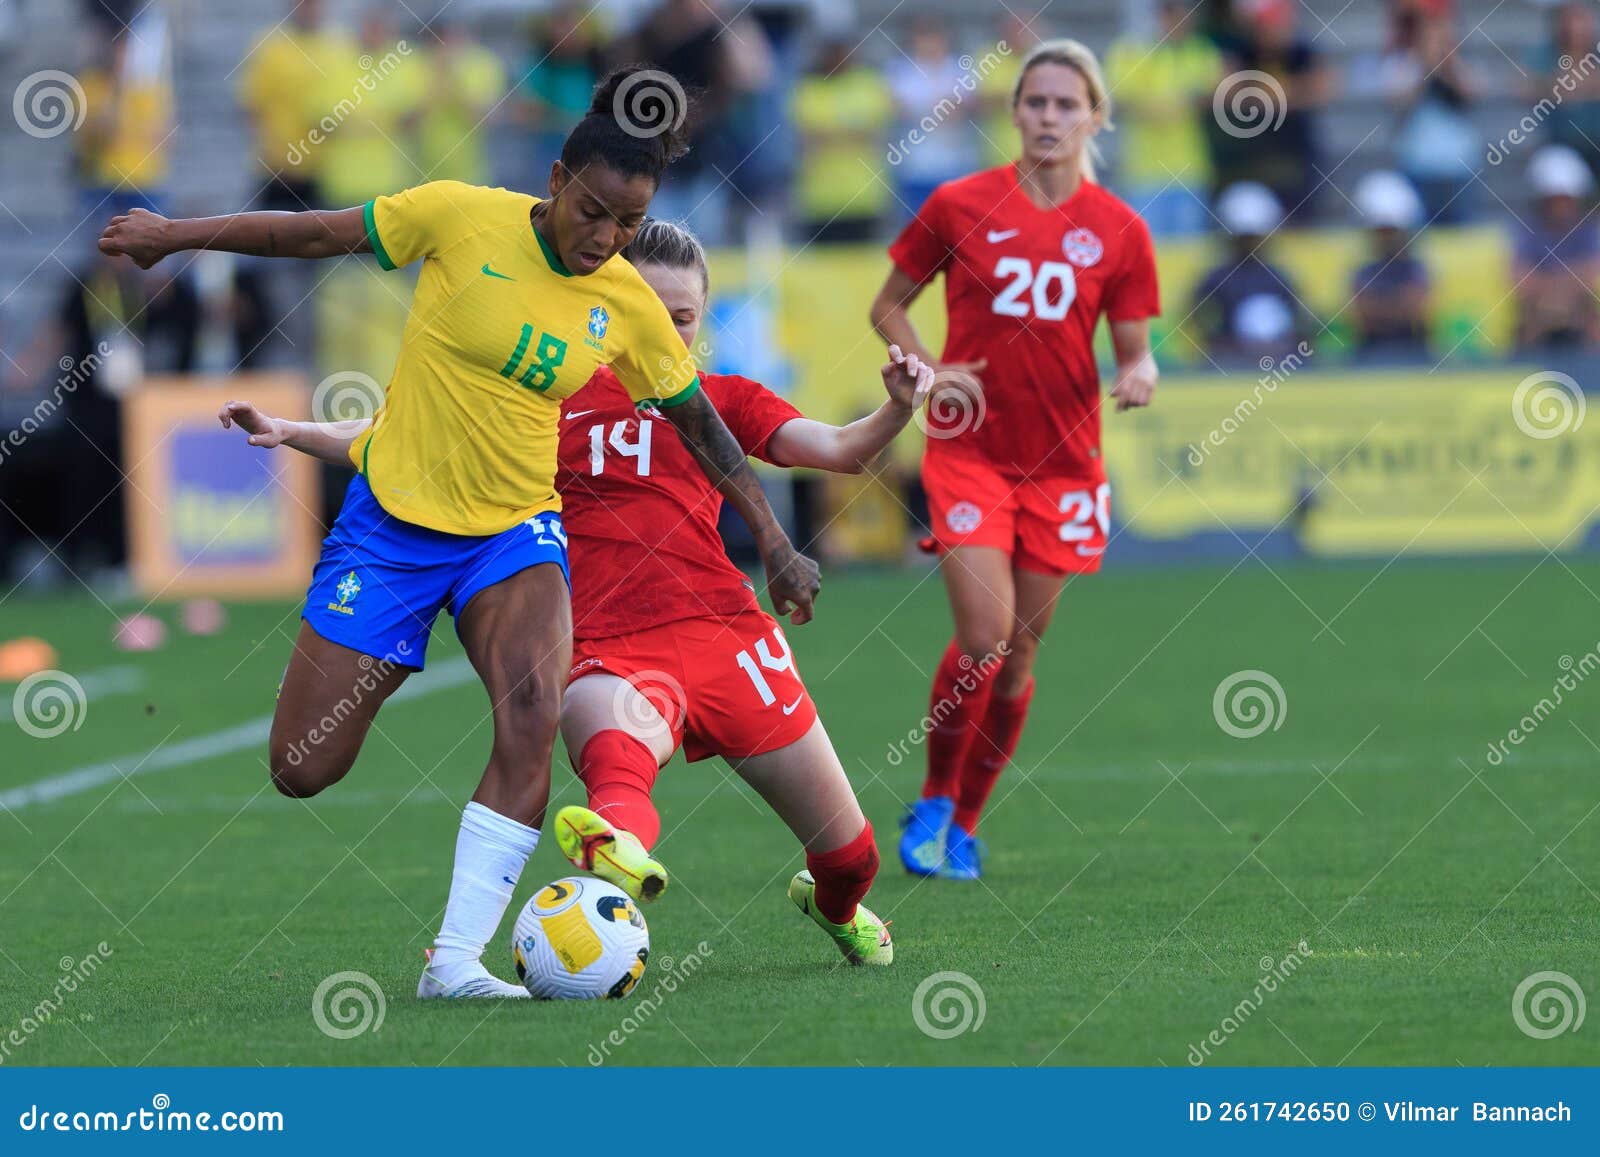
(1052, 526)
(726, 687)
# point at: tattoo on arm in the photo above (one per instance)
(721, 457)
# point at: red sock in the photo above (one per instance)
(844, 875)
(961, 691)
(991, 751)
(619, 772)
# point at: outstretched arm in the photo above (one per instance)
(148, 237)
(792, 578)
(329, 441)
(848, 449)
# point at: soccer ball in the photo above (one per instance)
(580, 939)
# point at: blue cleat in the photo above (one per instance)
(923, 832)
(963, 855)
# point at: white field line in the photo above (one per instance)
(450, 673)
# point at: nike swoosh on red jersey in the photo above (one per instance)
(996, 236)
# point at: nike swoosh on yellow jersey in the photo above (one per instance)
(491, 273)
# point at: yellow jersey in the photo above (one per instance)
(500, 332)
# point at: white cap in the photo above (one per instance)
(1248, 209)
(1558, 171)
(1387, 201)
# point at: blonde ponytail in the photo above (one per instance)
(1076, 55)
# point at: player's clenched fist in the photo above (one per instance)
(793, 581)
(139, 234)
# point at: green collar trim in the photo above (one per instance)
(549, 253)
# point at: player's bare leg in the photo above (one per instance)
(329, 697)
(997, 733)
(806, 785)
(518, 635)
(617, 741)
(982, 591)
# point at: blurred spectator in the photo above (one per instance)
(1556, 256)
(997, 134)
(375, 109)
(1163, 92)
(843, 110)
(717, 60)
(1246, 307)
(128, 122)
(1390, 292)
(934, 133)
(1564, 71)
(277, 86)
(564, 64)
(113, 324)
(465, 84)
(1284, 157)
(1430, 91)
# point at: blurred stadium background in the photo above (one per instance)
(1373, 225)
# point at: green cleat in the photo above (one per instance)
(864, 940)
(613, 854)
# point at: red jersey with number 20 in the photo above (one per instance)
(1024, 288)
(640, 514)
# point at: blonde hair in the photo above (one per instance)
(1073, 54)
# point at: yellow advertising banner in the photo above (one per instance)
(208, 514)
(1361, 464)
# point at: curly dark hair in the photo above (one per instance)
(636, 124)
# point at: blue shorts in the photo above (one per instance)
(381, 581)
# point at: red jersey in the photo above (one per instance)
(641, 516)
(1025, 287)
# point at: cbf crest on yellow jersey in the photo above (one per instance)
(499, 333)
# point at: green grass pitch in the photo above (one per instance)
(1143, 867)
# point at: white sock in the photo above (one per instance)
(490, 852)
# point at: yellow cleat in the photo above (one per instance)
(615, 855)
(864, 940)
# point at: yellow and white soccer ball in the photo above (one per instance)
(580, 939)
